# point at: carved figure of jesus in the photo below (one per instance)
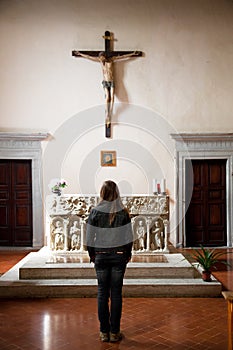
(108, 77)
(141, 234)
(75, 234)
(158, 235)
(58, 234)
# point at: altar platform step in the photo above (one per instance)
(73, 266)
(88, 288)
(69, 279)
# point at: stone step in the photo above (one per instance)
(88, 288)
(33, 270)
(141, 279)
(132, 271)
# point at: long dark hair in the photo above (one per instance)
(109, 192)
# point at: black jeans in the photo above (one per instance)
(110, 269)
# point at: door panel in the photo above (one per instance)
(206, 214)
(15, 203)
(5, 202)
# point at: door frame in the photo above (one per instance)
(28, 146)
(202, 146)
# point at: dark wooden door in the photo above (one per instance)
(206, 214)
(15, 203)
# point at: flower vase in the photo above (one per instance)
(57, 192)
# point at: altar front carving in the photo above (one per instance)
(69, 213)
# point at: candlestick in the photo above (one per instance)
(163, 186)
(154, 186)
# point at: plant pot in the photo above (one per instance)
(206, 276)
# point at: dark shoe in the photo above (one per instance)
(115, 337)
(104, 337)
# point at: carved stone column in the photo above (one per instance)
(82, 235)
(165, 250)
(148, 224)
(66, 234)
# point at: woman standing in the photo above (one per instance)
(109, 244)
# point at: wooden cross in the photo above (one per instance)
(106, 58)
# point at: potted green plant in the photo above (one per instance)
(207, 259)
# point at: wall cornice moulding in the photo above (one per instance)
(13, 136)
(201, 137)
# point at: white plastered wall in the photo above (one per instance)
(183, 83)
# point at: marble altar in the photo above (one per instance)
(68, 217)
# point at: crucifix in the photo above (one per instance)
(106, 59)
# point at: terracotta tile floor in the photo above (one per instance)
(71, 324)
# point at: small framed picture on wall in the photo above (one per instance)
(108, 158)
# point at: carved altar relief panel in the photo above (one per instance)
(149, 233)
(74, 233)
(58, 233)
(69, 214)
